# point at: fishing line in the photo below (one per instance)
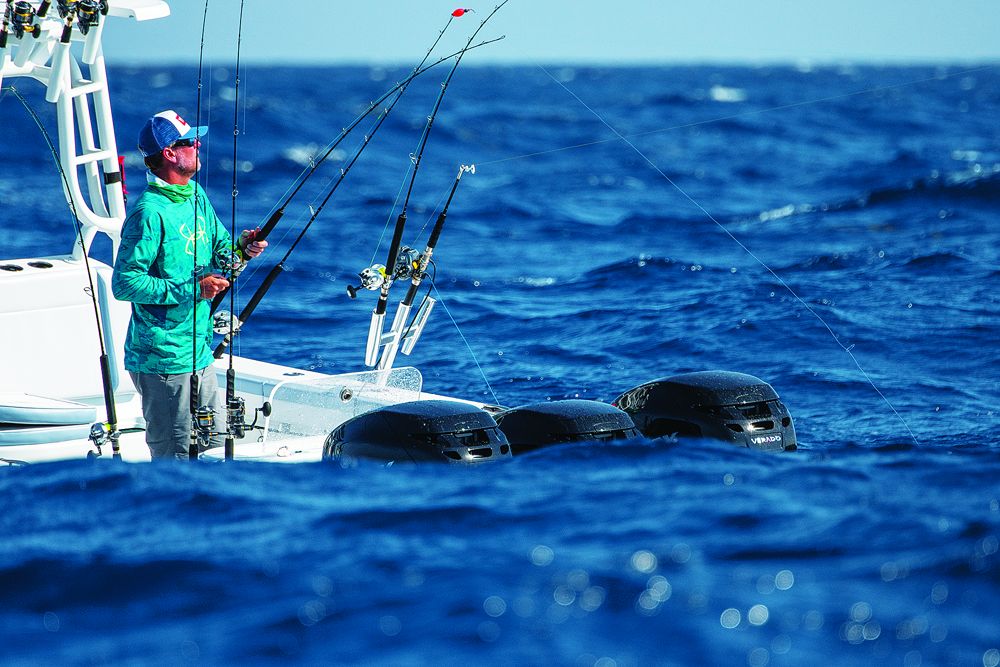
(430, 217)
(399, 89)
(845, 348)
(441, 300)
(314, 164)
(430, 284)
(378, 314)
(279, 268)
(388, 219)
(413, 163)
(433, 211)
(736, 116)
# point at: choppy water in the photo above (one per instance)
(574, 269)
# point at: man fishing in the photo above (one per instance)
(173, 251)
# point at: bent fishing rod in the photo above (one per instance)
(378, 314)
(416, 269)
(100, 433)
(230, 329)
(236, 323)
(263, 232)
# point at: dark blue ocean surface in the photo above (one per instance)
(830, 230)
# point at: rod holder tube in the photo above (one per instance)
(419, 320)
(24, 48)
(92, 43)
(395, 335)
(41, 50)
(374, 338)
(3, 55)
(58, 74)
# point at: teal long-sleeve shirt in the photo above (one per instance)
(155, 270)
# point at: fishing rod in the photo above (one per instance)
(262, 233)
(235, 324)
(100, 433)
(202, 418)
(235, 405)
(416, 270)
(378, 314)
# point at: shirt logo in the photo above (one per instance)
(201, 236)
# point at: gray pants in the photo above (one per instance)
(166, 407)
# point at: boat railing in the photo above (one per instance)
(62, 49)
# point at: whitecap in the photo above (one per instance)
(304, 154)
(727, 94)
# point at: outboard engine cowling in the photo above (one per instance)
(721, 405)
(419, 431)
(537, 425)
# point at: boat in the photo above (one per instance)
(67, 395)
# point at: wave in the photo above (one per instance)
(977, 184)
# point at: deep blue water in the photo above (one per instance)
(573, 269)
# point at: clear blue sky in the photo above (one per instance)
(574, 31)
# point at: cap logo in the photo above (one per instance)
(175, 120)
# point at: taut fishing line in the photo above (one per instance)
(836, 338)
(277, 269)
(307, 173)
(735, 116)
(466, 341)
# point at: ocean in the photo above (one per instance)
(831, 230)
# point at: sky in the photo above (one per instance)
(571, 31)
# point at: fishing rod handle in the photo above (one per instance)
(436, 233)
(259, 234)
(397, 238)
(109, 405)
(249, 308)
(193, 442)
(269, 225)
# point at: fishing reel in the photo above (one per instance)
(203, 424)
(236, 414)
(66, 7)
(230, 262)
(100, 434)
(89, 13)
(372, 279)
(22, 20)
(221, 321)
(407, 263)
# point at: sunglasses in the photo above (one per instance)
(183, 143)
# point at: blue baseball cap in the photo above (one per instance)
(165, 128)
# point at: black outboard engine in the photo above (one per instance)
(721, 405)
(418, 431)
(547, 423)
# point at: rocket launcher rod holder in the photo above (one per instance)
(399, 335)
